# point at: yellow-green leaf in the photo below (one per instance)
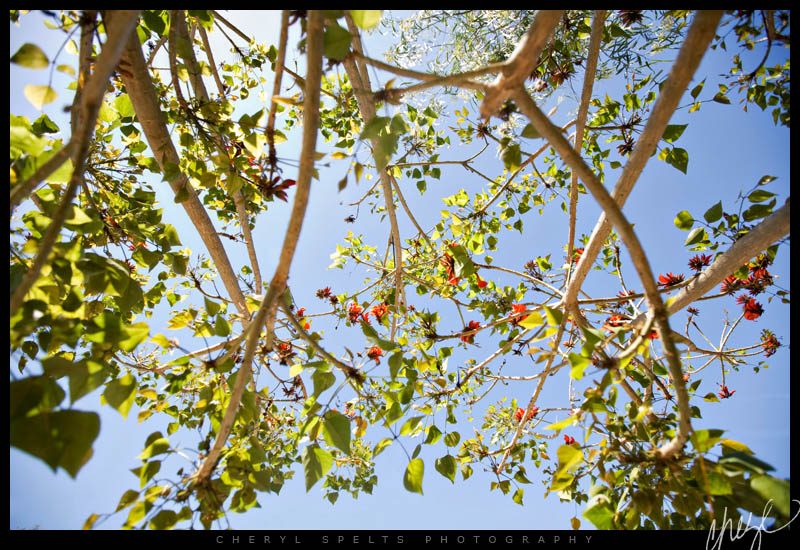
(39, 96)
(30, 56)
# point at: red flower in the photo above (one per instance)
(453, 280)
(758, 281)
(300, 313)
(307, 325)
(686, 377)
(517, 310)
(769, 342)
(762, 261)
(693, 311)
(354, 311)
(752, 309)
(324, 293)
(379, 310)
(730, 284)
(725, 393)
(365, 317)
(481, 282)
(472, 326)
(375, 353)
(284, 347)
(569, 440)
(614, 321)
(698, 262)
(576, 255)
(450, 268)
(653, 335)
(670, 279)
(520, 411)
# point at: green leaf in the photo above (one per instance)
(673, 131)
(446, 466)
(412, 479)
(164, 520)
(30, 56)
(530, 132)
(316, 463)
(599, 512)
(721, 98)
(322, 381)
(697, 89)
(66, 69)
(381, 445)
(124, 106)
(336, 429)
(532, 320)
(554, 316)
(743, 461)
(511, 156)
(159, 446)
(678, 158)
(697, 235)
(39, 96)
(758, 211)
(222, 327)
(411, 425)
(774, 489)
(759, 195)
(336, 42)
(59, 438)
(766, 179)
(714, 213)
(719, 484)
(518, 494)
(44, 125)
(119, 393)
(128, 498)
(452, 439)
(579, 364)
(366, 19)
(561, 424)
(433, 434)
(569, 457)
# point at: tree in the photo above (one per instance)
(92, 259)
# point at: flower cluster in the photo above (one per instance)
(576, 255)
(375, 353)
(481, 283)
(379, 310)
(725, 393)
(769, 342)
(355, 311)
(285, 352)
(518, 414)
(300, 314)
(614, 321)
(450, 267)
(752, 309)
(326, 294)
(569, 440)
(472, 326)
(670, 279)
(698, 262)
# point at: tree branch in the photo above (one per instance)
(691, 53)
(521, 63)
(552, 134)
(139, 85)
(268, 308)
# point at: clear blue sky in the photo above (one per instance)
(729, 151)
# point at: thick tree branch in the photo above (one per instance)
(583, 110)
(770, 230)
(268, 308)
(553, 135)
(519, 66)
(280, 61)
(691, 53)
(141, 90)
(118, 32)
(367, 109)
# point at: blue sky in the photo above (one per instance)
(729, 151)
